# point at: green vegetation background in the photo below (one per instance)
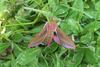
(20, 20)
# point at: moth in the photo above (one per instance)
(52, 32)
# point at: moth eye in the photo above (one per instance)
(55, 33)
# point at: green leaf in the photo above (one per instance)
(37, 29)
(97, 15)
(86, 39)
(98, 48)
(53, 4)
(61, 11)
(2, 6)
(38, 2)
(17, 49)
(82, 65)
(78, 57)
(97, 5)
(57, 61)
(79, 7)
(98, 40)
(92, 27)
(13, 63)
(90, 55)
(78, 4)
(71, 26)
(27, 56)
(51, 49)
(90, 11)
(17, 37)
(6, 64)
(3, 47)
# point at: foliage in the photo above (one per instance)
(20, 20)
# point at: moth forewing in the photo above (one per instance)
(38, 39)
(65, 40)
